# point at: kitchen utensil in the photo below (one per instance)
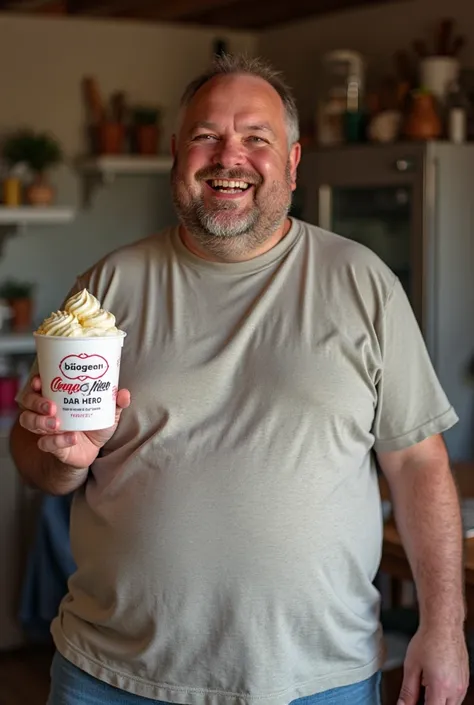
(93, 100)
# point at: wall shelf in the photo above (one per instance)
(35, 215)
(99, 171)
(17, 343)
(15, 218)
(111, 166)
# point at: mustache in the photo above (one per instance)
(229, 174)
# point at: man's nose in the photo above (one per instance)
(229, 153)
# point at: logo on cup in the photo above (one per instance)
(83, 366)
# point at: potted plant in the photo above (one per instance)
(145, 130)
(19, 297)
(39, 151)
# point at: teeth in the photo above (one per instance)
(224, 183)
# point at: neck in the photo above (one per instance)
(229, 253)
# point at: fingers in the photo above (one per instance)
(39, 413)
(442, 694)
(37, 423)
(410, 690)
(434, 698)
(51, 444)
(36, 383)
(457, 700)
(123, 398)
(122, 402)
(38, 404)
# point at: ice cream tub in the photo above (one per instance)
(81, 376)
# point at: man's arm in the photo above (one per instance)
(40, 469)
(428, 516)
(429, 521)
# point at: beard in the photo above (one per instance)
(224, 228)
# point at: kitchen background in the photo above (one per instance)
(379, 121)
(43, 61)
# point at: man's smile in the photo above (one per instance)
(229, 188)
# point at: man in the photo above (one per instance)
(228, 531)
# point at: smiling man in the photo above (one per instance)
(227, 529)
(235, 168)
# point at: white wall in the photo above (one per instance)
(42, 62)
(376, 31)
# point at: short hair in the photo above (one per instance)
(228, 64)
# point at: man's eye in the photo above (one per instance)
(257, 140)
(203, 137)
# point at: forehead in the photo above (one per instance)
(236, 97)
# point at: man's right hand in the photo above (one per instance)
(78, 449)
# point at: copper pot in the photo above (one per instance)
(146, 138)
(111, 138)
(423, 121)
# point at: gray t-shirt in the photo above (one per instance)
(230, 531)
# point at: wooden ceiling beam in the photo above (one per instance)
(101, 8)
(34, 6)
(53, 7)
(259, 14)
(173, 10)
(239, 14)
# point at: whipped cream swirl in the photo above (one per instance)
(83, 317)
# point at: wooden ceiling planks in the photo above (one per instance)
(236, 14)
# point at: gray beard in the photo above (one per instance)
(230, 237)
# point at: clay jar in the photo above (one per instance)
(40, 192)
(111, 138)
(423, 121)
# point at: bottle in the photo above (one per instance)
(457, 113)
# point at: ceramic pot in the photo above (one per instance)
(40, 192)
(22, 314)
(423, 121)
(437, 73)
(145, 139)
(111, 138)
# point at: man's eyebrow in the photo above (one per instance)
(204, 124)
(260, 127)
(253, 127)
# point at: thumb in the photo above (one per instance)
(122, 401)
(410, 690)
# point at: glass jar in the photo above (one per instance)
(342, 92)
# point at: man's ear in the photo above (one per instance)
(295, 156)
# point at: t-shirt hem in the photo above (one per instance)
(439, 424)
(202, 696)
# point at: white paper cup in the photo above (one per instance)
(80, 375)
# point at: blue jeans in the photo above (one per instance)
(71, 686)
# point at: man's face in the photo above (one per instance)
(234, 172)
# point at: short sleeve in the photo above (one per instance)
(412, 404)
